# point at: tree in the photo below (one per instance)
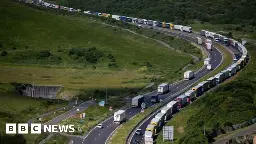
(4, 53)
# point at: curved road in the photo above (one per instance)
(144, 124)
(100, 136)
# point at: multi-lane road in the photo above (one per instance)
(143, 125)
(100, 136)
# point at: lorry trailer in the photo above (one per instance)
(174, 106)
(119, 116)
(137, 101)
(209, 67)
(187, 29)
(167, 111)
(149, 140)
(207, 61)
(212, 82)
(205, 85)
(178, 27)
(209, 46)
(198, 90)
(191, 95)
(199, 40)
(188, 75)
(182, 101)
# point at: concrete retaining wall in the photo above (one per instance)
(46, 92)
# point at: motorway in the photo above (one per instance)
(100, 136)
(144, 124)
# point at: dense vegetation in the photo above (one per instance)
(233, 103)
(217, 11)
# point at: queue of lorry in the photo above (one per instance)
(182, 100)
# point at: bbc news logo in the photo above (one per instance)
(37, 128)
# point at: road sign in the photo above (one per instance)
(143, 105)
(102, 103)
(168, 133)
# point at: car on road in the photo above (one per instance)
(138, 132)
(140, 25)
(99, 126)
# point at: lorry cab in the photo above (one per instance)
(198, 90)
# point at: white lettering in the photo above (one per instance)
(71, 128)
(54, 128)
(47, 128)
(63, 128)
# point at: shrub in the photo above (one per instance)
(112, 65)
(44, 54)
(91, 55)
(147, 64)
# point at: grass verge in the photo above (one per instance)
(123, 131)
(57, 139)
(94, 115)
(213, 111)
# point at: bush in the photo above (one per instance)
(147, 64)
(4, 53)
(112, 65)
(91, 55)
(44, 54)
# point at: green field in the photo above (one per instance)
(60, 50)
(232, 103)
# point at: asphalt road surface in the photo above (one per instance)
(100, 136)
(143, 126)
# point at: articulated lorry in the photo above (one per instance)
(191, 95)
(119, 116)
(198, 90)
(188, 75)
(182, 101)
(207, 61)
(167, 111)
(199, 40)
(163, 88)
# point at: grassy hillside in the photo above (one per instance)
(217, 11)
(232, 103)
(93, 55)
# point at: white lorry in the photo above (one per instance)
(163, 88)
(178, 27)
(191, 95)
(117, 17)
(199, 40)
(149, 140)
(188, 75)
(174, 106)
(209, 67)
(167, 111)
(187, 29)
(207, 61)
(148, 134)
(209, 46)
(119, 116)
